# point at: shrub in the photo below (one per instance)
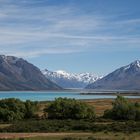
(123, 110)
(31, 107)
(63, 108)
(15, 109)
(11, 109)
(48, 125)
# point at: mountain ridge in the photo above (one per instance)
(18, 74)
(124, 78)
(70, 80)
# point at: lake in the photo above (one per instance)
(51, 95)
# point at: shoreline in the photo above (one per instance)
(112, 94)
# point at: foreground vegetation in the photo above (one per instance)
(14, 109)
(63, 108)
(71, 126)
(123, 110)
(69, 115)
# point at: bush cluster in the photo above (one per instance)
(15, 109)
(70, 126)
(63, 108)
(68, 115)
(123, 110)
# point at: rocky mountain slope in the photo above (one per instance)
(18, 74)
(124, 78)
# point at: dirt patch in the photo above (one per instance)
(27, 135)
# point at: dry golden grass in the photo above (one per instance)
(4, 125)
(103, 104)
(100, 105)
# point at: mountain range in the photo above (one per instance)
(70, 80)
(18, 74)
(124, 78)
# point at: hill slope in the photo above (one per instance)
(124, 78)
(18, 74)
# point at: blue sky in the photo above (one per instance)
(74, 35)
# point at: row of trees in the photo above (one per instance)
(63, 108)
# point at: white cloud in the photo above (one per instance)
(33, 31)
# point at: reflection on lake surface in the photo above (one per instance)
(51, 95)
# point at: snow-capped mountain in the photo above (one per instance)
(124, 78)
(70, 80)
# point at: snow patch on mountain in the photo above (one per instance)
(71, 80)
(124, 78)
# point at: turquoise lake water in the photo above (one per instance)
(49, 95)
